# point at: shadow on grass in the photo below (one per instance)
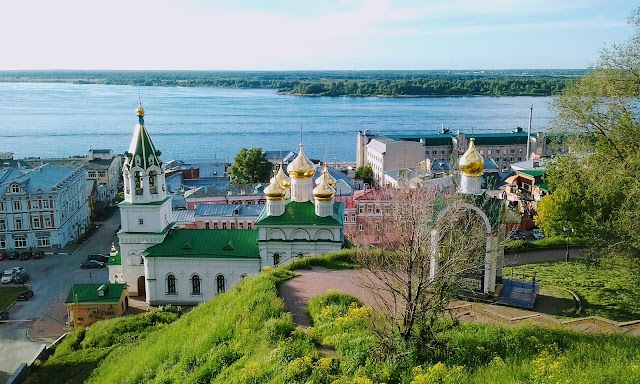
(76, 372)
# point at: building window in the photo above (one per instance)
(171, 285)
(195, 285)
(243, 275)
(47, 222)
(35, 222)
(17, 205)
(45, 204)
(220, 283)
(361, 208)
(276, 258)
(15, 188)
(18, 223)
(361, 227)
(140, 221)
(21, 242)
(224, 225)
(353, 218)
(3, 243)
(345, 217)
(488, 151)
(206, 225)
(3, 225)
(34, 204)
(91, 174)
(497, 151)
(215, 225)
(369, 209)
(232, 225)
(44, 241)
(102, 173)
(240, 225)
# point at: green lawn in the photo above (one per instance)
(8, 295)
(608, 287)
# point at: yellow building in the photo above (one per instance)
(88, 303)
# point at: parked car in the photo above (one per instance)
(26, 255)
(25, 295)
(518, 235)
(537, 234)
(13, 255)
(98, 257)
(4, 315)
(8, 275)
(20, 278)
(92, 264)
(38, 254)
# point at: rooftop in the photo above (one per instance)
(88, 293)
(208, 243)
(296, 213)
(239, 210)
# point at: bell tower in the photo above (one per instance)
(145, 213)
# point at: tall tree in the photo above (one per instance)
(596, 189)
(365, 173)
(250, 166)
(402, 228)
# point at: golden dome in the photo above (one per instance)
(330, 179)
(471, 163)
(274, 191)
(323, 191)
(301, 167)
(140, 110)
(282, 178)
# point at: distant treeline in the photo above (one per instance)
(329, 83)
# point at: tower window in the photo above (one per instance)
(195, 285)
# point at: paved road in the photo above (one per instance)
(51, 279)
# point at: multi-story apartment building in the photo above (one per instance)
(42, 207)
(103, 167)
(391, 152)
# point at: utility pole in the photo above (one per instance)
(529, 132)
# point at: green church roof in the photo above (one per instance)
(115, 259)
(88, 293)
(533, 172)
(142, 146)
(297, 214)
(207, 243)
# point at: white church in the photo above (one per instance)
(189, 266)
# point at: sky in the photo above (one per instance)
(309, 34)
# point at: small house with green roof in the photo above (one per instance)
(88, 303)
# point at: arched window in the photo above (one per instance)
(171, 284)
(138, 182)
(220, 283)
(195, 285)
(15, 188)
(152, 182)
(276, 258)
(243, 275)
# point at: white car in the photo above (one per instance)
(537, 234)
(8, 275)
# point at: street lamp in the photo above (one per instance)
(566, 235)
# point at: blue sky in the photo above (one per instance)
(309, 34)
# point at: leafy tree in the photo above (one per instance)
(365, 173)
(250, 166)
(596, 191)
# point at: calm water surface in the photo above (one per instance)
(203, 123)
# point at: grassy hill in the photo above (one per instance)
(246, 336)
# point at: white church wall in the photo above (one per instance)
(157, 269)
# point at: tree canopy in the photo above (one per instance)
(596, 191)
(365, 173)
(250, 166)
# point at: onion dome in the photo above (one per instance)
(323, 191)
(140, 110)
(330, 179)
(274, 191)
(471, 163)
(301, 167)
(282, 178)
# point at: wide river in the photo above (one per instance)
(47, 120)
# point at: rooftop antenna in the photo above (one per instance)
(529, 131)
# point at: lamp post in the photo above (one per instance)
(566, 235)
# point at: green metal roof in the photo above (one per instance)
(429, 140)
(297, 214)
(543, 186)
(207, 243)
(499, 138)
(88, 293)
(151, 203)
(142, 146)
(532, 172)
(115, 259)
